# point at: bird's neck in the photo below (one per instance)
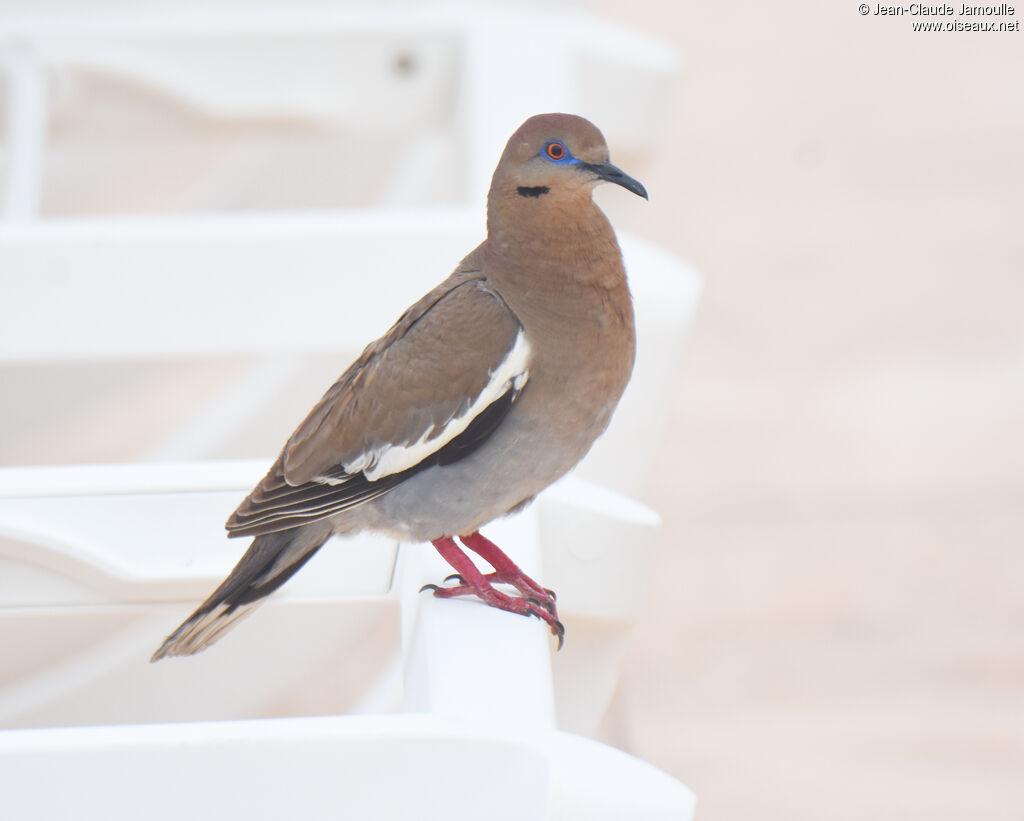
(540, 240)
(560, 264)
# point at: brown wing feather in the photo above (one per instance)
(427, 369)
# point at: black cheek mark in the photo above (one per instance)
(535, 191)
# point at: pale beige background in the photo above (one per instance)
(837, 630)
(837, 626)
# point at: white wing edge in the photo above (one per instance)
(387, 459)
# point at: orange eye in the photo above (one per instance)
(556, 150)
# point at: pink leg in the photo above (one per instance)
(473, 582)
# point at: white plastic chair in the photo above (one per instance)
(437, 74)
(98, 561)
(105, 551)
(97, 550)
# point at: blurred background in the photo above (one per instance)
(833, 629)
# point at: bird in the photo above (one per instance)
(489, 388)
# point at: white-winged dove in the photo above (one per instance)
(488, 389)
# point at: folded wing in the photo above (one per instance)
(429, 392)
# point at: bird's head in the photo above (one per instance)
(556, 156)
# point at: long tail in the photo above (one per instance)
(269, 562)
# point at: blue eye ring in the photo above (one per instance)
(555, 151)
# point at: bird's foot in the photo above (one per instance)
(533, 600)
(527, 587)
(524, 605)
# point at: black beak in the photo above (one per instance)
(607, 171)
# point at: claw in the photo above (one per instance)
(429, 587)
(551, 593)
(455, 576)
(559, 630)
